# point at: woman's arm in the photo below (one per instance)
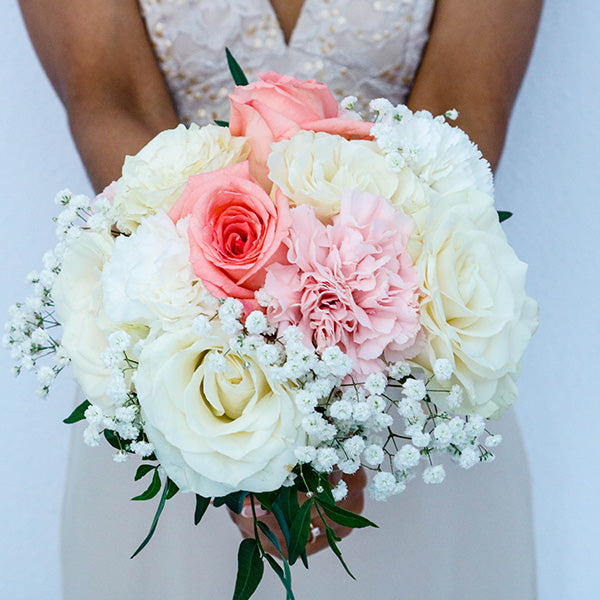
(98, 57)
(475, 61)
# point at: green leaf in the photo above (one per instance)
(299, 533)
(173, 489)
(113, 439)
(281, 521)
(159, 510)
(235, 501)
(152, 490)
(332, 539)
(284, 576)
(503, 215)
(143, 470)
(78, 414)
(221, 123)
(202, 504)
(234, 68)
(250, 569)
(344, 517)
(266, 499)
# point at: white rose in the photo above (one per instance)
(149, 279)
(475, 311)
(216, 433)
(77, 296)
(154, 178)
(314, 168)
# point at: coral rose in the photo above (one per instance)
(350, 284)
(235, 230)
(277, 106)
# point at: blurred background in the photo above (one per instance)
(550, 179)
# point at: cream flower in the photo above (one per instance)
(216, 432)
(77, 296)
(314, 168)
(475, 311)
(154, 178)
(149, 279)
(442, 156)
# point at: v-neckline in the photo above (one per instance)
(287, 42)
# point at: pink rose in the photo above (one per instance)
(235, 230)
(277, 106)
(351, 284)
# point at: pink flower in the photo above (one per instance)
(235, 230)
(351, 283)
(277, 106)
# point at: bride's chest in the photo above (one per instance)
(349, 44)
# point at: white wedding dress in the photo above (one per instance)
(470, 538)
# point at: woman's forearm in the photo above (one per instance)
(105, 134)
(475, 61)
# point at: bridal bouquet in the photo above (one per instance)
(258, 308)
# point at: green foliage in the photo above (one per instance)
(221, 123)
(159, 510)
(78, 414)
(300, 533)
(250, 569)
(504, 215)
(234, 68)
(152, 490)
(235, 501)
(202, 504)
(143, 470)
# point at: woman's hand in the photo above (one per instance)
(353, 502)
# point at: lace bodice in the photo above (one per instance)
(366, 48)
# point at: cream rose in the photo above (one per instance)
(216, 432)
(154, 178)
(77, 296)
(149, 279)
(314, 168)
(475, 311)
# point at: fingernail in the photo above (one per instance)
(247, 511)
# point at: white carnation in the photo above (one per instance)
(154, 178)
(314, 168)
(149, 279)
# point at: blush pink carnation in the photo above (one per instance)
(351, 283)
(235, 230)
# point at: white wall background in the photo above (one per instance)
(550, 177)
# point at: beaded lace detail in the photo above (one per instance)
(367, 48)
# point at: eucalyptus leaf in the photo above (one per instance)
(504, 215)
(159, 510)
(143, 470)
(221, 123)
(300, 532)
(250, 569)
(78, 413)
(234, 68)
(202, 504)
(153, 488)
